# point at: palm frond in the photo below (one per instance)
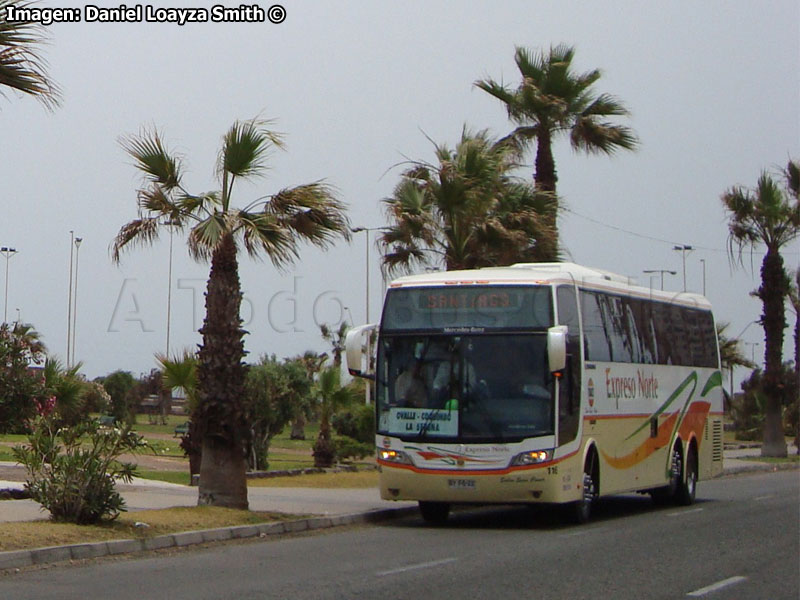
(595, 137)
(312, 211)
(245, 148)
(22, 68)
(153, 158)
(263, 234)
(179, 371)
(142, 231)
(206, 235)
(205, 204)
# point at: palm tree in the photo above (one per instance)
(730, 352)
(21, 67)
(767, 215)
(335, 337)
(67, 387)
(331, 396)
(794, 300)
(312, 363)
(467, 211)
(180, 372)
(270, 226)
(553, 99)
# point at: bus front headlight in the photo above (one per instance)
(394, 456)
(534, 457)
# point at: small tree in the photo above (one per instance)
(68, 388)
(748, 411)
(311, 362)
(20, 387)
(331, 396)
(272, 390)
(180, 372)
(118, 385)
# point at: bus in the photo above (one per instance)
(540, 383)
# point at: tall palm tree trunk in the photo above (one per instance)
(772, 293)
(796, 301)
(220, 377)
(545, 180)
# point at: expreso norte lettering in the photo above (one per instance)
(643, 385)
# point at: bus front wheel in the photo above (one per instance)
(582, 509)
(434, 512)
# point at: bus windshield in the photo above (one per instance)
(464, 387)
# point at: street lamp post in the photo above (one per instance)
(703, 261)
(69, 293)
(367, 231)
(75, 297)
(683, 250)
(8, 253)
(661, 271)
(752, 350)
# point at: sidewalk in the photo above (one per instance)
(330, 507)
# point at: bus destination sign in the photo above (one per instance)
(455, 299)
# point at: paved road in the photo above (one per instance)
(741, 540)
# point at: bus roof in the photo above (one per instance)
(549, 273)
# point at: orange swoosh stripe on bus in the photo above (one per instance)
(645, 449)
(695, 421)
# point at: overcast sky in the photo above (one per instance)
(356, 86)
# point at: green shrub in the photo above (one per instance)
(348, 448)
(72, 470)
(357, 421)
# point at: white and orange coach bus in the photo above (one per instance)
(543, 382)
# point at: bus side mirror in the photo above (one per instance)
(356, 348)
(557, 348)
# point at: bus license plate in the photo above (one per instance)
(461, 484)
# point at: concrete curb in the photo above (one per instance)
(16, 559)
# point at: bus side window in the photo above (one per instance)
(596, 342)
(569, 391)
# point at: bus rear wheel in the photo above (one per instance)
(435, 513)
(667, 494)
(687, 486)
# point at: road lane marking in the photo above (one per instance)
(716, 586)
(583, 531)
(760, 498)
(425, 565)
(680, 513)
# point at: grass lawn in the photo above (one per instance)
(39, 534)
(345, 479)
(181, 477)
(360, 479)
(792, 458)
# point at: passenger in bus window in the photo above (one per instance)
(409, 387)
